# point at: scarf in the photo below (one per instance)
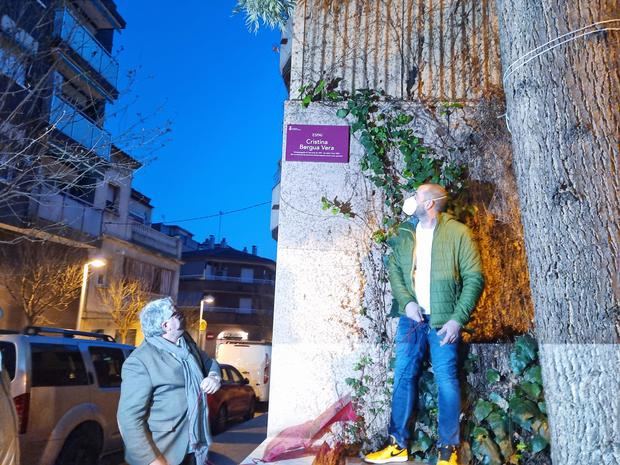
(197, 409)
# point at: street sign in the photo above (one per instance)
(317, 143)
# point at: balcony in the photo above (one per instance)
(81, 41)
(64, 210)
(229, 279)
(73, 124)
(152, 239)
(52, 212)
(240, 311)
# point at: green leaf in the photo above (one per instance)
(422, 443)
(356, 126)
(518, 362)
(543, 407)
(522, 410)
(319, 87)
(533, 374)
(538, 443)
(342, 113)
(498, 400)
(487, 450)
(527, 345)
(483, 409)
(306, 101)
(532, 390)
(479, 433)
(493, 376)
(497, 422)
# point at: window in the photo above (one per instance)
(57, 365)
(101, 278)
(225, 376)
(235, 376)
(12, 67)
(159, 280)
(245, 305)
(107, 362)
(112, 199)
(247, 275)
(7, 169)
(192, 269)
(7, 357)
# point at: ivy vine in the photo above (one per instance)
(508, 425)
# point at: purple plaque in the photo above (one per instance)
(327, 144)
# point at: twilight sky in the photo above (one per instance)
(219, 86)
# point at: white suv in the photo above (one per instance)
(65, 385)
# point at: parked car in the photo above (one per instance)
(65, 385)
(253, 359)
(235, 399)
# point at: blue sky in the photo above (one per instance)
(200, 68)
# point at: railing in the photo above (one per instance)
(68, 28)
(65, 210)
(153, 239)
(237, 310)
(233, 279)
(78, 127)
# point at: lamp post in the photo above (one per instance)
(96, 263)
(206, 300)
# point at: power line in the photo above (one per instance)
(214, 215)
(221, 213)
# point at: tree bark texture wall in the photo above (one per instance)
(562, 109)
(411, 49)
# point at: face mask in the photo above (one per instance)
(411, 204)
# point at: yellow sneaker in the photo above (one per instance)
(389, 454)
(448, 456)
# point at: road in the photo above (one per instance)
(229, 447)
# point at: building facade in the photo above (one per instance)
(63, 181)
(241, 285)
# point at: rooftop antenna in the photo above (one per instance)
(219, 228)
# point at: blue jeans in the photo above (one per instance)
(412, 340)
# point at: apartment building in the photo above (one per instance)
(241, 284)
(63, 179)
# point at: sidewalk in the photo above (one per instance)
(235, 444)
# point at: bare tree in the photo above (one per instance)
(125, 298)
(41, 278)
(52, 136)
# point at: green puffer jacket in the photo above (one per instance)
(456, 271)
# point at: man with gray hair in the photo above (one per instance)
(163, 414)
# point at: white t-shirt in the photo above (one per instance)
(422, 273)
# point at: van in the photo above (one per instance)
(65, 385)
(253, 359)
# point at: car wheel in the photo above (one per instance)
(221, 420)
(251, 409)
(82, 447)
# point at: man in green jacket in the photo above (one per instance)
(436, 278)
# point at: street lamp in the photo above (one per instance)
(206, 300)
(95, 263)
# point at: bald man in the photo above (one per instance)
(436, 279)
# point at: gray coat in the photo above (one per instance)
(152, 412)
